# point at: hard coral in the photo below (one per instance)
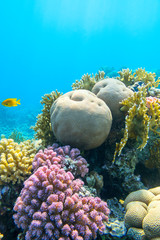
(49, 207)
(81, 119)
(147, 215)
(140, 119)
(65, 157)
(15, 160)
(112, 92)
(139, 75)
(43, 126)
(87, 81)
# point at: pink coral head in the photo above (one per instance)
(50, 207)
(151, 100)
(64, 157)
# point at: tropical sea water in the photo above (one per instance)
(46, 45)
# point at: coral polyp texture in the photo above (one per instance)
(49, 207)
(15, 160)
(142, 214)
(81, 119)
(65, 157)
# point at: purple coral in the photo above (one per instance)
(66, 157)
(50, 208)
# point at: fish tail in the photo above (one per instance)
(18, 102)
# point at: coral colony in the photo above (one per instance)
(49, 207)
(117, 117)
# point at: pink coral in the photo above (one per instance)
(65, 157)
(49, 207)
(151, 100)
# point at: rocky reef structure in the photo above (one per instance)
(142, 114)
(81, 119)
(49, 207)
(52, 199)
(15, 160)
(142, 217)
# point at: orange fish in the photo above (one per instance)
(11, 102)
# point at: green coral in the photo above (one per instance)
(88, 81)
(17, 136)
(43, 125)
(140, 119)
(140, 75)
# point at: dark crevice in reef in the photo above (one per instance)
(149, 177)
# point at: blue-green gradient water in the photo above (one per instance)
(47, 44)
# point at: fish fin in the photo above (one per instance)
(18, 102)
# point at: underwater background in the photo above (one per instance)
(85, 164)
(47, 45)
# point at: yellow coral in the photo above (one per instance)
(87, 81)
(139, 118)
(1, 235)
(126, 76)
(140, 75)
(15, 160)
(43, 126)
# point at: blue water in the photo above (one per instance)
(47, 44)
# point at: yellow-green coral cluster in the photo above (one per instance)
(43, 126)
(140, 74)
(88, 81)
(139, 118)
(15, 160)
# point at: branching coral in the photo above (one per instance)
(140, 119)
(43, 125)
(140, 75)
(49, 207)
(15, 160)
(65, 157)
(17, 136)
(88, 81)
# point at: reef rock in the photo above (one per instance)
(81, 119)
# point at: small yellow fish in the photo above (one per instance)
(121, 201)
(11, 102)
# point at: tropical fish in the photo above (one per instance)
(11, 102)
(121, 201)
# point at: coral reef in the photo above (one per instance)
(87, 81)
(142, 214)
(139, 75)
(112, 92)
(140, 119)
(66, 157)
(95, 180)
(49, 207)
(43, 126)
(81, 119)
(15, 160)
(17, 136)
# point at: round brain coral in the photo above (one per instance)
(50, 208)
(81, 119)
(112, 92)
